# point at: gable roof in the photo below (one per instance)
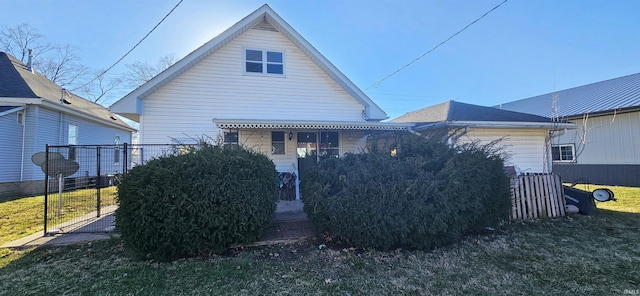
(620, 94)
(19, 86)
(452, 113)
(258, 18)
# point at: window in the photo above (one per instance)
(329, 145)
(20, 118)
(231, 139)
(72, 139)
(563, 153)
(265, 62)
(277, 143)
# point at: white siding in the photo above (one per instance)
(10, 148)
(218, 88)
(44, 126)
(608, 139)
(526, 149)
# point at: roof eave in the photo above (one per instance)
(498, 125)
(84, 115)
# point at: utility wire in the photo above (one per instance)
(377, 83)
(130, 50)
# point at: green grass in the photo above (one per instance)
(580, 255)
(23, 216)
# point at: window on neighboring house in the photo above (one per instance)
(72, 139)
(231, 139)
(277, 142)
(20, 118)
(563, 153)
(116, 155)
(264, 61)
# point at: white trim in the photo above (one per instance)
(312, 125)
(16, 109)
(264, 62)
(371, 111)
(63, 108)
(559, 146)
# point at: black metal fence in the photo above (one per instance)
(80, 182)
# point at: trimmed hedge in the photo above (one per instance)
(196, 203)
(425, 196)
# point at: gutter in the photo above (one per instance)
(57, 107)
(499, 124)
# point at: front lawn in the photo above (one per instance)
(580, 255)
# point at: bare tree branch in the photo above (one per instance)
(62, 67)
(98, 89)
(19, 39)
(141, 72)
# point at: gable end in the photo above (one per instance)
(266, 26)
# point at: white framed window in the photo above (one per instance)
(263, 62)
(563, 153)
(72, 135)
(20, 117)
(277, 143)
(72, 139)
(231, 140)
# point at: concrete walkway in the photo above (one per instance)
(289, 224)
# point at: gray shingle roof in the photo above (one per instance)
(617, 94)
(455, 111)
(16, 81)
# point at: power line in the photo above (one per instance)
(130, 50)
(377, 83)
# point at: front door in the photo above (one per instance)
(316, 146)
(307, 150)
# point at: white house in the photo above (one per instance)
(35, 112)
(605, 148)
(259, 84)
(524, 138)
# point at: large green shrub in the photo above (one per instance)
(427, 195)
(195, 203)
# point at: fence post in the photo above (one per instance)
(46, 185)
(98, 182)
(125, 160)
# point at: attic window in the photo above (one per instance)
(264, 62)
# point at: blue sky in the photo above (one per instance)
(522, 49)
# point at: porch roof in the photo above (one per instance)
(315, 125)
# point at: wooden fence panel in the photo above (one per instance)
(537, 196)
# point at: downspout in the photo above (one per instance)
(24, 129)
(60, 136)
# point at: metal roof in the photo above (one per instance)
(452, 111)
(613, 95)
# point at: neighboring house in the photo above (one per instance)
(605, 148)
(523, 137)
(262, 85)
(35, 112)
